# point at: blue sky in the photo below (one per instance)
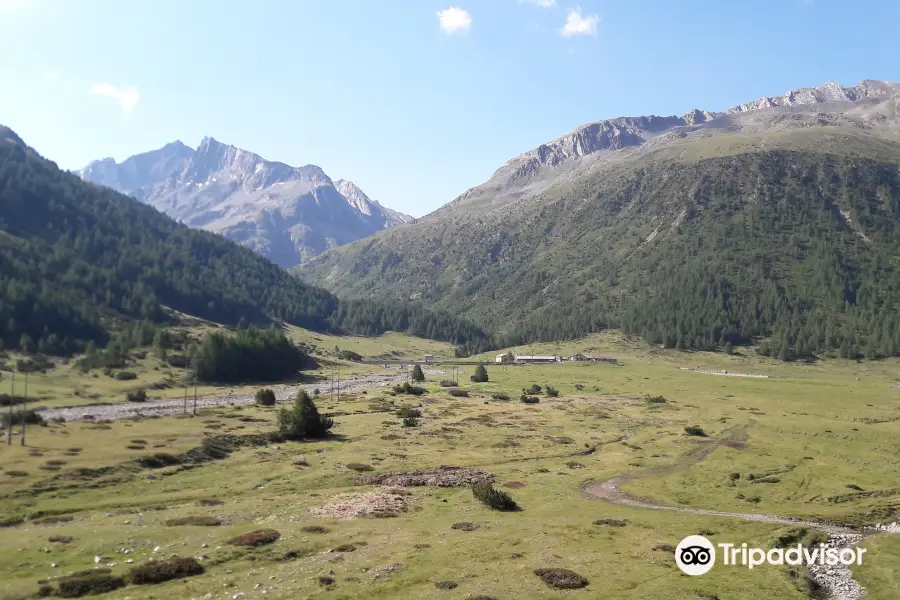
(414, 100)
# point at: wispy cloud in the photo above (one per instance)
(127, 97)
(578, 24)
(455, 20)
(541, 3)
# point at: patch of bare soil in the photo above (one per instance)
(442, 476)
(368, 504)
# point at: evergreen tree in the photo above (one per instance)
(481, 374)
(302, 421)
(417, 374)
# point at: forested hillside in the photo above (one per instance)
(794, 249)
(79, 259)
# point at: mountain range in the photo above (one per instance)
(284, 213)
(774, 222)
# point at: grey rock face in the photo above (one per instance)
(865, 105)
(285, 213)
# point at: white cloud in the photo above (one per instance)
(541, 3)
(127, 98)
(576, 24)
(455, 20)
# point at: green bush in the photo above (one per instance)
(265, 397)
(194, 521)
(88, 584)
(445, 383)
(409, 413)
(534, 389)
(656, 400)
(359, 467)
(179, 361)
(561, 579)
(458, 393)
(350, 355)
(303, 421)
(253, 539)
(29, 417)
(407, 388)
(410, 422)
(551, 391)
(495, 499)
(500, 396)
(126, 376)
(695, 430)
(481, 374)
(136, 396)
(160, 571)
(529, 399)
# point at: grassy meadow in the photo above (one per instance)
(805, 440)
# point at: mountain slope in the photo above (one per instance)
(80, 260)
(282, 212)
(773, 223)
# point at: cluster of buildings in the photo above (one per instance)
(510, 358)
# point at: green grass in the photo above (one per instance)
(389, 346)
(263, 489)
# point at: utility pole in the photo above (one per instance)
(24, 409)
(185, 395)
(194, 414)
(339, 383)
(12, 399)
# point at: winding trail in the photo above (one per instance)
(838, 580)
(115, 412)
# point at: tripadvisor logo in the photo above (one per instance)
(696, 555)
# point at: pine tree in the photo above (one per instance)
(481, 374)
(303, 421)
(417, 374)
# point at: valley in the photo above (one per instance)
(813, 448)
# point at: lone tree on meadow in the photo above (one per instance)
(417, 374)
(481, 375)
(302, 421)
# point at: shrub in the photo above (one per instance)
(126, 376)
(409, 413)
(265, 397)
(495, 499)
(481, 374)
(350, 355)
(160, 571)
(695, 430)
(60, 539)
(359, 467)
(800, 535)
(406, 388)
(410, 422)
(500, 396)
(446, 585)
(194, 521)
(551, 391)
(464, 526)
(29, 417)
(255, 538)
(457, 393)
(136, 396)
(561, 579)
(209, 502)
(158, 461)
(417, 374)
(303, 420)
(534, 389)
(88, 584)
(445, 383)
(656, 400)
(610, 522)
(314, 529)
(529, 399)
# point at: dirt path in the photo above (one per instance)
(838, 580)
(114, 412)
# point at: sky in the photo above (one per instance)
(414, 100)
